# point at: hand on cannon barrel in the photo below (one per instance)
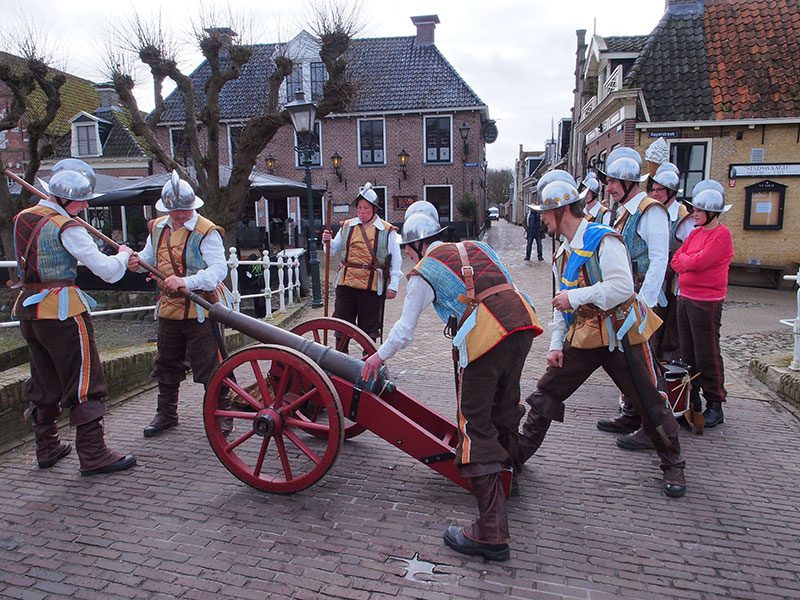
(371, 367)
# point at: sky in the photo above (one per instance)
(517, 55)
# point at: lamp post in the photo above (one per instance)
(403, 158)
(269, 161)
(336, 161)
(303, 115)
(464, 131)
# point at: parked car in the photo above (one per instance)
(494, 213)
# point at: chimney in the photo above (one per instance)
(682, 6)
(106, 94)
(425, 27)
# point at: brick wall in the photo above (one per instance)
(780, 144)
(402, 132)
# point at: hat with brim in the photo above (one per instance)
(198, 202)
(69, 185)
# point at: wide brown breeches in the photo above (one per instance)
(182, 339)
(489, 405)
(362, 308)
(698, 325)
(65, 367)
(558, 384)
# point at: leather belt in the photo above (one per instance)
(43, 285)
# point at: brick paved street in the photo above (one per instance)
(591, 521)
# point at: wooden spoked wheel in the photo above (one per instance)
(344, 337)
(274, 445)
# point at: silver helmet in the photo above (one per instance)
(420, 226)
(589, 184)
(710, 200)
(554, 175)
(555, 195)
(626, 153)
(177, 194)
(70, 185)
(76, 164)
(368, 194)
(624, 169)
(708, 184)
(424, 207)
(668, 176)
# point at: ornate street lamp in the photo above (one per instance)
(403, 158)
(336, 161)
(464, 131)
(303, 115)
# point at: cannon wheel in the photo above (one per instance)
(274, 447)
(317, 328)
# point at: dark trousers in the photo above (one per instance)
(531, 238)
(556, 385)
(698, 328)
(182, 339)
(489, 408)
(362, 308)
(65, 367)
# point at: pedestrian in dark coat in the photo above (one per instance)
(533, 231)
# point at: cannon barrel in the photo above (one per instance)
(338, 363)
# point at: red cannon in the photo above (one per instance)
(297, 400)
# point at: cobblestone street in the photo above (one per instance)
(591, 521)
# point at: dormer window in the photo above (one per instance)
(86, 135)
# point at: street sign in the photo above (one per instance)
(473, 164)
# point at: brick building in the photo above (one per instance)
(718, 80)
(410, 103)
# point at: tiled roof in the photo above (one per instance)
(119, 143)
(390, 74)
(734, 59)
(625, 43)
(76, 95)
(753, 49)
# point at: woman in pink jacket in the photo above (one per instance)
(702, 266)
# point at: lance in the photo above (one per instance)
(328, 219)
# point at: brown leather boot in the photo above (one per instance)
(533, 432)
(488, 536)
(95, 457)
(49, 449)
(627, 422)
(166, 411)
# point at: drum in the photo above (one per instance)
(678, 384)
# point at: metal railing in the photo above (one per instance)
(795, 324)
(286, 294)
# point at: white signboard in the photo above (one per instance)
(764, 207)
(765, 170)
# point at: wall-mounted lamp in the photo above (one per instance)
(464, 131)
(336, 161)
(269, 161)
(403, 158)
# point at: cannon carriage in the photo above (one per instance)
(297, 398)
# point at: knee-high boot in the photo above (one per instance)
(95, 457)
(488, 536)
(533, 433)
(49, 449)
(166, 410)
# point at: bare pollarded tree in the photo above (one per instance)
(31, 100)
(332, 23)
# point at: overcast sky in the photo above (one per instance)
(517, 55)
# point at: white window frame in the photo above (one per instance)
(709, 149)
(425, 140)
(385, 199)
(171, 145)
(75, 150)
(440, 185)
(321, 164)
(358, 141)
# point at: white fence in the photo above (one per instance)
(795, 324)
(286, 294)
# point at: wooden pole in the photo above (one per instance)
(327, 292)
(92, 230)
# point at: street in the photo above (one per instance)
(591, 521)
